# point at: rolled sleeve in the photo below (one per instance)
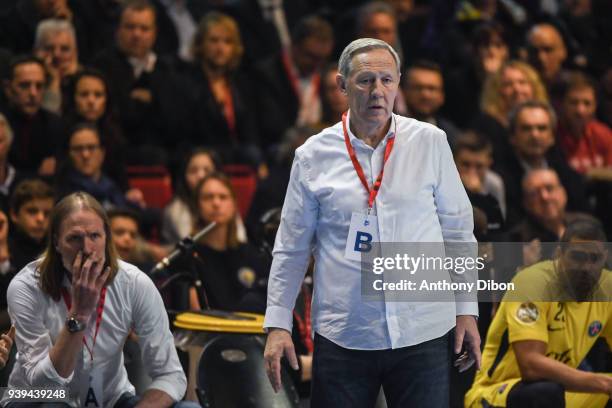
(292, 248)
(156, 341)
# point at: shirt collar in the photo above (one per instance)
(146, 64)
(356, 141)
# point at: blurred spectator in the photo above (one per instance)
(9, 177)
(55, 44)
(514, 83)
(532, 126)
(131, 247)
(271, 191)
(153, 101)
(464, 82)
(18, 25)
(334, 101)
(377, 20)
(548, 53)
(88, 100)
(288, 83)
(588, 23)
(586, 142)
(180, 214)
(37, 132)
(423, 89)
(225, 109)
(485, 188)
(31, 205)
(176, 24)
(227, 269)
(545, 203)
(83, 170)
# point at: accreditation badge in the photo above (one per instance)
(92, 396)
(363, 233)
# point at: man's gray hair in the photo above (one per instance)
(7, 128)
(362, 45)
(52, 26)
(532, 104)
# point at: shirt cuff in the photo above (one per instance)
(278, 316)
(466, 308)
(48, 372)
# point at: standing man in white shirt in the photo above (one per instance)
(337, 179)
(73, 310)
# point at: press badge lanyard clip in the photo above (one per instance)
(99, 311)
(373, 192)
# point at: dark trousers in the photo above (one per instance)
(415, 376)
(538, 394)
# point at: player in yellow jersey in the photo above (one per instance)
(539, 337)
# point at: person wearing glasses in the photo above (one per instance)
(83, 171)
(545, 328)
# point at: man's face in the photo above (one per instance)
(216, 203)
(514, 87)
(371, 86)
(579, 107)
(581, 263)
(90, 98)
(533, 134)
(86, 153)
(381, 26)
(32, 218)
(544, 197)
(60, 48)
(82, 230)
(124, 231)
(311, 54)
(547, 51)
(424, 92)
(137, 32)
(473, 163)
(218, 47)
(25, 90)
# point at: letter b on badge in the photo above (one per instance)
(363, 242)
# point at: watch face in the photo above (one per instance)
(74, 325)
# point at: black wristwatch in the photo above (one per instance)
(74, 325)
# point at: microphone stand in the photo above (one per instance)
(183, 246)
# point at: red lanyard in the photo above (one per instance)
(294, 79)
(99, 311)
(351, 151)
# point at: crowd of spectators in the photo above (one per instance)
(523, 90)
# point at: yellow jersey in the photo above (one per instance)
(568, 328)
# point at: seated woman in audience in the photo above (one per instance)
(515, 82)
(84, 170)
(232, 273)
(90, 102)
(180, 214)
(225, 116)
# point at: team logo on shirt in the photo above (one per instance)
(594, 328)
(246, 276)
(527, 313)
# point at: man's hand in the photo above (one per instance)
(6, 343)
(136, 196)
(142, 94)
(467, 331)
(47, 167)
(87, 281)
(278, 344)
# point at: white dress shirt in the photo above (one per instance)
(421, 199)
(132, 301)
